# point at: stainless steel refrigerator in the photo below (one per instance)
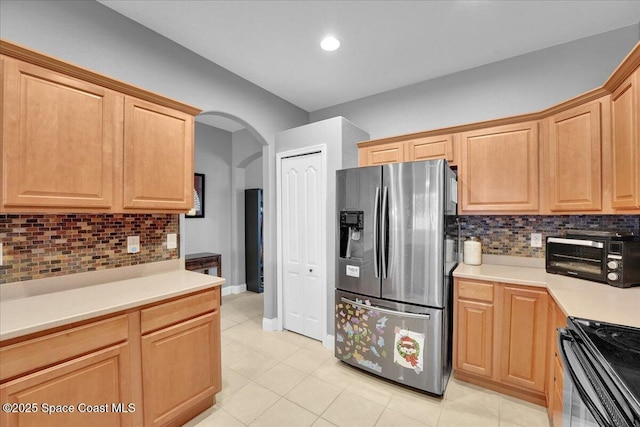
(397, 245)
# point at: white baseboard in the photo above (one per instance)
(269, 324)
(234, 289)
(329, 342)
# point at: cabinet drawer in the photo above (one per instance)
(49, 349)
(163, 315)
(201, 263)
(480, 291)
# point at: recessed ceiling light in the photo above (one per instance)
(330, 43)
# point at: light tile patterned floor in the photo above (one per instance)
(282, 379)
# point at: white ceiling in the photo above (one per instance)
(385, 44)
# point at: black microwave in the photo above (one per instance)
(611, 257)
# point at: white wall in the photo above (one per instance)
(91, 35)
(335, 133)
(213, 157)
(519, 85)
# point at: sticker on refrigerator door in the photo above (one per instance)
(408, 350)
(353, 271)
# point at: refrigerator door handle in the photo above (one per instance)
(384, 229)
(376, 227)
(426, 316)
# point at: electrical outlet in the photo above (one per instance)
(172, 241)
(133, 244)
(536, 240)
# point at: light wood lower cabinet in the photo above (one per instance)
(524, 337)
(475, 337)
(156, 365)
(555, 378)
(84, 391)
(181, 365)
(500, 336)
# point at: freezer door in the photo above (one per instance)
(358, 196)
(400, 342)
(412, 234)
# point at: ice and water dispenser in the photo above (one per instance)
(351, 242)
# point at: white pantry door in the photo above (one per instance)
(301, 181)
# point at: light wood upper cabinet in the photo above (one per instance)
(498, 169)
(407, 150)
(158, 157)
(58, 139)
(392, 152)
(77, 141)
(430, 148)
(625, 150)
(524, 337)
(573, 151)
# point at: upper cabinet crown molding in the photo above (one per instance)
(590, 140)
(37, 58)
(626, 68)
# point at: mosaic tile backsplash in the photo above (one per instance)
(39, 246)
(510, 235)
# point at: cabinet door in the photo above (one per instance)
(158, 157)
(93, 386)
(524, 337)
(392, 152)
(58, 140)
(181, 366)
(625, 108)
(474, 337)
(573, 148)
(431, 147)
(499, 169)
(559, 321)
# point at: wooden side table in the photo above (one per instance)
(203, 261)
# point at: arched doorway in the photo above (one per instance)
(228, 150)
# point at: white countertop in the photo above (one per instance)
(22, 316)
(576, 297)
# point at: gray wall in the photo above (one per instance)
(213, 156)
(519, 85)
(335, 133)
(89, 34)
(253, 174)
(247, 161)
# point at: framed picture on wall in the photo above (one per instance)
(198, 197)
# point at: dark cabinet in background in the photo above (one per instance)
(253, 239)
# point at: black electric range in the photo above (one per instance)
(609, 355)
